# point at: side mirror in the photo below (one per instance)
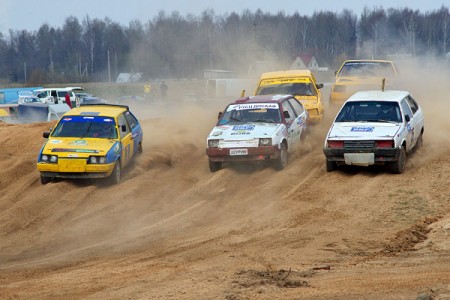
(123, 128)
(46, 134)
(286, 114)
(219, 115)
(335, 73)
(319, 85)
(407, 118)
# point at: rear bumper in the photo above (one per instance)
(254, 154)
(381, 155)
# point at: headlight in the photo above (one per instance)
(49, 158)
(265, 142)
(97, 160)
(213, 143)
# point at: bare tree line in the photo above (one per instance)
(176, 46)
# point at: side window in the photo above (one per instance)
(287, 107)
(413, 104)
(297, 106)
(132, 121)
(123, 121)
(406, 109)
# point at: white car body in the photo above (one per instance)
(56, 95)
(361, 135)
(265, 137)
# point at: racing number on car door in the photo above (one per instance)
(292, 124)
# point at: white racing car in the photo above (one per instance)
(257, 128)
(375, 127)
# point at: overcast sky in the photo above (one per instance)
(31, 14)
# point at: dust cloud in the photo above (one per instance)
(171, 223)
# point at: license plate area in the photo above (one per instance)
(359, 159)
(72, 165)
(234, 152)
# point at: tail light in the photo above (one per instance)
(384, 144)
(336, 144)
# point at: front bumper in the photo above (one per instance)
(381, 155)
(75, 168)
(253, 154)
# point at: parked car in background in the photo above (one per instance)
(299, 83)
(258, 128)
(94, 141)
(375, 127)
(56, 96)
(360, 75)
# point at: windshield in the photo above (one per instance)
(86, 126)
(296, 89)
(255, 112)
(367, 68)
(370, 111)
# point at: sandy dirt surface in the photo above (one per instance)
(173, 230)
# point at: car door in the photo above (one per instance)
(410, 125)
(136, 131)
(293, 128)
(126, 140)
(302, 114)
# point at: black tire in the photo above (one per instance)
(398, 167)
(419, 143)
(140, 148)
(331, 165)
(45, 180)
(281, 162)
(215, 166)
(115, 176)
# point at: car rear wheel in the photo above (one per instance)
(45, 180)
(215, 166)
(419, 143)
(331, 165)
(398, 167)
(281, 162)
(114, 178)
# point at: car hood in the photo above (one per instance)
(366, 130)
(370, 81)
(245, 131)
(77, 147)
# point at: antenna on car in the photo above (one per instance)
(383, 82)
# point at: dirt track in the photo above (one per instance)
(173, 230)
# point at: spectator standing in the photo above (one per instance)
(68, 102)
(147, 90)
(164, 89)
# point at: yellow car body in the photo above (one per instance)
(360, 75)
(91, 141)
(299, 83)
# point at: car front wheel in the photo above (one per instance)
(281, 162)
(398, 167)
(215, 166)
(114, 178)
(45, 180)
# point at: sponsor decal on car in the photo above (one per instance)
(362, 129)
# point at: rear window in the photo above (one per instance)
(367, 69)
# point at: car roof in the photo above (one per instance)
(262, 99)
(369, 60)
(51, 89)
(287, 73)
(378, 95)
(101, 110)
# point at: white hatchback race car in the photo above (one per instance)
(375, 127)
(257, 128)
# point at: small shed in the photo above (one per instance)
(129, 77)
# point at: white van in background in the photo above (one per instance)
(56, 96)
